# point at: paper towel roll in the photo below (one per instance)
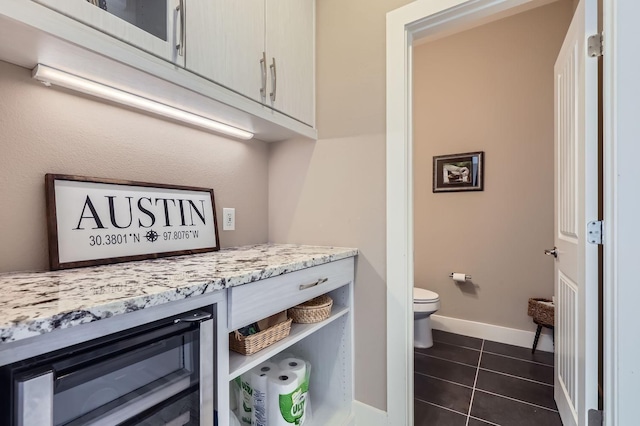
(296, 365)
(282, 383)
(245, 399)
(260, 386)
(459, 277)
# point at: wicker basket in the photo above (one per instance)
(247, 345)
(314, 310)
(542, 313)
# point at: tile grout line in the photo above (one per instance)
(513, 376)
(484, 421)
(444, 359)
(456, 345)
(494, 353)
(519, 359)
(484, 368)
(443, 380)
(475, 381)
(440, 406)
(518, 400)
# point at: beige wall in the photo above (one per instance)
(44, 130)
(333, 191)
(489, 89)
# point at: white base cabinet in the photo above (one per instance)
(327, 345)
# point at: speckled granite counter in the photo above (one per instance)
(33, 303)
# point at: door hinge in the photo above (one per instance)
(594, 45)
(596, 418)
(594, 232)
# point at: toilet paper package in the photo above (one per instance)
(259, 386)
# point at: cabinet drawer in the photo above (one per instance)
(251, 302)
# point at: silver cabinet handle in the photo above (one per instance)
(183, 22)
(274, 80)
(263, 68)
(320, 281)
(553, 252)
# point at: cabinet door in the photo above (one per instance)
(150, 25)
(225, 43)
(290, 41)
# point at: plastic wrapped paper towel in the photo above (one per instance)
(295, 365)
(259, 384)
(285, 399)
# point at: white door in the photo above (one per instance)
(576, 203)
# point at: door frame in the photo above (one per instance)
(437, 18)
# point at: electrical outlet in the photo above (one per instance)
(228, 219)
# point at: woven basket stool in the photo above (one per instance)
(543, 313)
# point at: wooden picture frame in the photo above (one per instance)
(458, 172)
(96, 221)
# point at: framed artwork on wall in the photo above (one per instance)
(458, 172)
(95, 221)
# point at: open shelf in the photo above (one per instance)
(239, 364)
(328, 415)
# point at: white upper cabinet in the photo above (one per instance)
(262, 49)
(246, 63)
(290, 49)
(150, 25)
(226, 43)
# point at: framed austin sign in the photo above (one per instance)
(95, 221)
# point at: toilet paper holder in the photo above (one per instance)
(467, 277)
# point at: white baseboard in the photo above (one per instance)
(510, 336)
(367, 415)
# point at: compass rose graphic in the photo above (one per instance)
(151, 236)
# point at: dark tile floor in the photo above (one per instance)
(464, 381)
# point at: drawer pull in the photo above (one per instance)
(320, 281)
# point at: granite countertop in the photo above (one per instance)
(34, 303)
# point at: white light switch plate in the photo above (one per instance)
(228, 219)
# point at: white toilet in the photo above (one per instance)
(425, 302)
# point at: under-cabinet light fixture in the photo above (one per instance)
(51, 76)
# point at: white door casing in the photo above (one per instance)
(419, 19)
(621, 95)
(576, 203)
(426, 18)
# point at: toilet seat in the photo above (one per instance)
(421, 295)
